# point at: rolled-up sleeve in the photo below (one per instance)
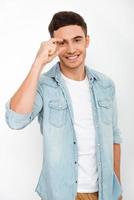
(17, 120)
(117, 136)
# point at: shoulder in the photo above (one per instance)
(102, 79)
(48, 78)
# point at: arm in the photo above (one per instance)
(23, 99)
(117, 157)
(27, 102)
(117, 140)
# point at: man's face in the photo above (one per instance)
(73, 46)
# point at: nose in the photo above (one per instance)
(71, 48)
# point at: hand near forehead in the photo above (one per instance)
(48, 51)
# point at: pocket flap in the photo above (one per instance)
(58, 105)
(105, 103)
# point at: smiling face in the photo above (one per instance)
(74, 46)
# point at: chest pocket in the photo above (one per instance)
(57, 113)
(105, 110)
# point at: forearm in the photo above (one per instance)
(23, 99)
(117, 160)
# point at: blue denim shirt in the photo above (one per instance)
(59, 174)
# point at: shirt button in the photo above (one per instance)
(74, 142)
(75, 181)
(75, 162)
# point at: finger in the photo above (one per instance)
(55, 40)
(51, 51)
(53, 55)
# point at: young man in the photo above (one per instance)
(76, 108)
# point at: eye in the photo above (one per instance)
(61, 43)
(78, 40)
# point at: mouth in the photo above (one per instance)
(72, 58)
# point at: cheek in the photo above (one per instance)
(82, 47)
(83, 50)
(60, 55)
(62, 52)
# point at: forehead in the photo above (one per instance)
(69, 32)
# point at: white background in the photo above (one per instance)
(23, 25)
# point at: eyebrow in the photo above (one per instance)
(76, 37)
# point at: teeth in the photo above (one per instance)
(72, 57)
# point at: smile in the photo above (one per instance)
(72, 58)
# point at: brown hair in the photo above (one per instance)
(65, 18)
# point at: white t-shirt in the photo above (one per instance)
(85, 134)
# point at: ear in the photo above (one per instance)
(87, 40)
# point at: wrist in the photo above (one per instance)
(36, 70)
(37, 66)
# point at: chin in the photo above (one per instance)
(72, 65)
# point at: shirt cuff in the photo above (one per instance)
(16, 120)
(117, 137)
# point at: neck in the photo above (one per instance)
(77, 74)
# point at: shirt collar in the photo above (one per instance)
(54, 72)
